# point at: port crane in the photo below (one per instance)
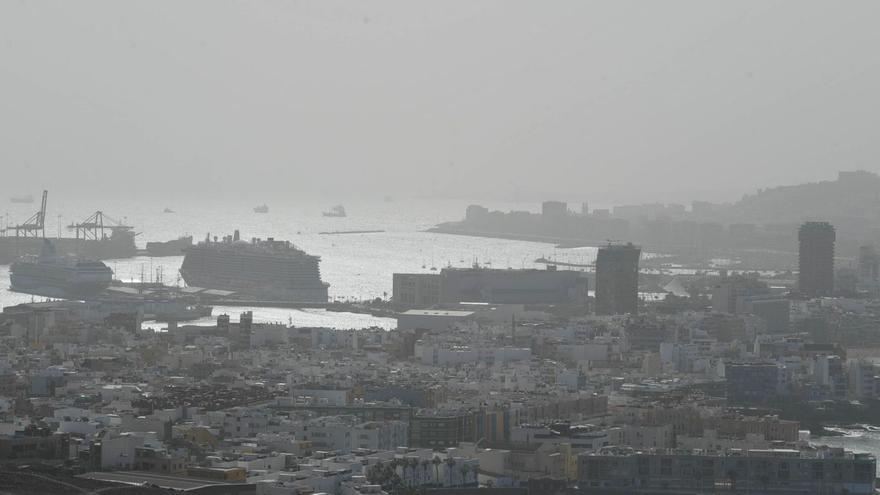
(35, 226)
(95, 227)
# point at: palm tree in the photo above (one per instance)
(388, 472)
(436, 461)
(413, 463)
(425, 463)
(450, 463)
(732, 474)
(765, 480)
(698, 478)
(402, 464)
(374, 474)
(379, 473)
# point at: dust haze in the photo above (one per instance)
(607, 101)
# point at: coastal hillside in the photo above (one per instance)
(854, 195)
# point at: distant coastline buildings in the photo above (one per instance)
(760, 230)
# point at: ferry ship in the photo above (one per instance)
(52, 275)
(266, 269)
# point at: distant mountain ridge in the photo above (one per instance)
(854, 195)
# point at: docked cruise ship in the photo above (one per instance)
(264, 269)
(52, 275)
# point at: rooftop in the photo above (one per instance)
(435, 312)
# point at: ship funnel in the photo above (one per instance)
(235, 237)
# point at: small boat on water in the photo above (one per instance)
(261, 209)
(168, 210)
(337, 211)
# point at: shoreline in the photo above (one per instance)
(749, 259)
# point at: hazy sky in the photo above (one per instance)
(607, 101)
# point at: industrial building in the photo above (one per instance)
(417, 290)
(530, 286)
(738, 296)
(554, 210)
(495, 286)
(437, 320)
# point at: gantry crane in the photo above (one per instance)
(35, 226)
(95, 228)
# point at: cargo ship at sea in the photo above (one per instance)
(266, 269)
(54, 275)
(98, 237)
(337, 211)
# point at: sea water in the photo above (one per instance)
(357, 266)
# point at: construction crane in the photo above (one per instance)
(95, 227)
(35, 226)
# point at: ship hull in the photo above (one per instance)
(57, 282)
(260, 275)
(36, 287)
(268, 292)
(170, 248)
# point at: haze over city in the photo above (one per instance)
(611, 101)
(409, 247)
